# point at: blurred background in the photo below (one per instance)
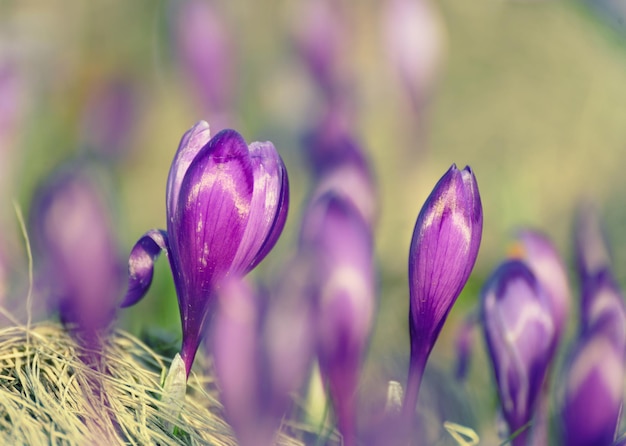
(530, 94)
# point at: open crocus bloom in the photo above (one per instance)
(226, 207)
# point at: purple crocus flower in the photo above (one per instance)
(593, 389)
(545, 262)
(339, 243)
(79, 269)
(261, 353)
(226, 207)
(414, 45)
(321, 41)
(340, 165)
(443, 250)
(520, 334)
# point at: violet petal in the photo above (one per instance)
(593, 392)
(268, 208)
(141, 265)
(543, 259)
(192, 141)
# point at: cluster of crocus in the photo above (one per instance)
(592, 393)
(524, 310)
(226, 207)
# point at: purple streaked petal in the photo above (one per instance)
(191, 143)
(279, 222)
(268, 208)
(520, 335)
(546, 264)
(592, 392)
(141, 265)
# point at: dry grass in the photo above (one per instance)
(48, 395)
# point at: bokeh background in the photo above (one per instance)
(530, 94)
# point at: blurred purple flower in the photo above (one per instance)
(593, 389)
(340, 165)
(79, 267)
(206, 50)
(226, 207)
(520, 335)
(340, 244)
(538, 252)
(465, 344)
(591, 247)
(443, 250)
(261, 353)
(603, 309)
(321, 41)
(109, 117)
(414, 39)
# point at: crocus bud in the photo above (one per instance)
(443, 251)
(541, 256)
(593, 389)
(79, 266)
(206, 52)
(259, 359)
(340, 244)
(520, 335)
(226, 207)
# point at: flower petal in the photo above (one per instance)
(593, 393)
(544, 261)
(268, 209)
(141, 265)
(191, 143)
